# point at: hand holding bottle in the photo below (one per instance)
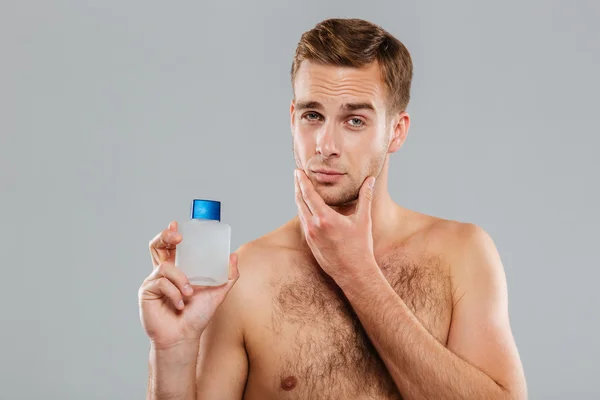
(173, 311)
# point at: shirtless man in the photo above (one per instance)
(356, 297)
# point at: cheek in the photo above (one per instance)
(305, 136)
(366, 153)
(304, 144)
(364, 145)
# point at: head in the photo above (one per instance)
(351, 82)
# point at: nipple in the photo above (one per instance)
(289, 383)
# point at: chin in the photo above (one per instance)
(337, 197)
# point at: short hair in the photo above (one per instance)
(357, 43)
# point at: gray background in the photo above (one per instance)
(114, 114)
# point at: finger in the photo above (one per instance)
(315, 203)
(303, 210)
(163, 287)
(365, 198)
(228, 286)
(173, 274)
(234, 272)
(173, 225)
(163, 245)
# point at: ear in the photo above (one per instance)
(292, 116)
(401, 124)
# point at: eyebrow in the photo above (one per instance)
(315, 105)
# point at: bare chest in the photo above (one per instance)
(314, 346)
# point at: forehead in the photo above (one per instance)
(329, 84)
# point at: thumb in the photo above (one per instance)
(234, 273)
(365, 197)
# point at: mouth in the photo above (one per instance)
(327, 172)
(327, 175)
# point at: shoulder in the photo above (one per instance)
(471, 253)
(447, 238)
(459, 237)
(257, 259)
(465, 249)
(267, 248)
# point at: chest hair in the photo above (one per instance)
(327, 349)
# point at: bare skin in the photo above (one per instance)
(302, 338)
(356, 297)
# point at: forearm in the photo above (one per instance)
(172, 373)
(421, 367)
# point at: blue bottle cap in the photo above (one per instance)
(206, 209)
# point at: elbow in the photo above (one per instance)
(515, 396)
(510, 389)
(513, 393)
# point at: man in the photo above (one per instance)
(356, 297)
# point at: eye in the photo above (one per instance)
(356, 122)
(312, 116)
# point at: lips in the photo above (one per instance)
(326, 172)
(327, 175)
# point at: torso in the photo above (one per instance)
(305, 342)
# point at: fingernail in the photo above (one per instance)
(187, 289)
(180, 304)
(372, 183)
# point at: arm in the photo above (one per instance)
(211, 367)
(214, 368)
(481, 360)
(172, 372)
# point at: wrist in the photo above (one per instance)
(362, 275)
(182, 352)
(185, 340)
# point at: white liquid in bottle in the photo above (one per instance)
(203, 253)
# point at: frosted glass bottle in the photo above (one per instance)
(203, 253)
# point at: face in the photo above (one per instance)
(341, 132)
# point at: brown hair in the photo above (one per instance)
(357, 43)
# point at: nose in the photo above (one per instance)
(327, 142)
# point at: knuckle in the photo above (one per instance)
(169, 271)
(160, 270)
(322, 222)
(163, 269)
(163, 284)
(165, 236)
(145, 287)
(316, 221)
